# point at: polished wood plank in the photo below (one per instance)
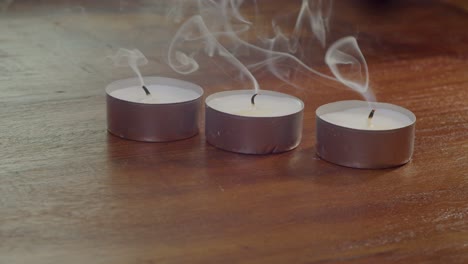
(72, 193)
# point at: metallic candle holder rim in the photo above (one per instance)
(152, 80)
(146, 122)
(371, 144)
(253, 142)
(250, 117)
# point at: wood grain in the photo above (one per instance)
(72, 193)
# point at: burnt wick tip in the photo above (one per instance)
(252, 100)
(146, 90)
(371, 114)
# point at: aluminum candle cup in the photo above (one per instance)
(347, 136)
(169, 113)
(273, 124)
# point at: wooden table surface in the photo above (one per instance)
(72, 193)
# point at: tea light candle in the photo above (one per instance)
(348, 136)
(159, 94)
(357, 118)
(270, 122)
(169, 112)
(265, 104)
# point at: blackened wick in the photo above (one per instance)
(252, 100)
(146, 90)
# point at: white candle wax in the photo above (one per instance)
(346, 136)
(160, 94)
(267, 103)
(357, 118)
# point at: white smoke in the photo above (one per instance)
(349, 66)
(130, 58)
(195, 29)
(217, 27)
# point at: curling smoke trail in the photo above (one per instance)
(226, 22)
(133, 58)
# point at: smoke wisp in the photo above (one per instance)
(130, 58)
(218, 27)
